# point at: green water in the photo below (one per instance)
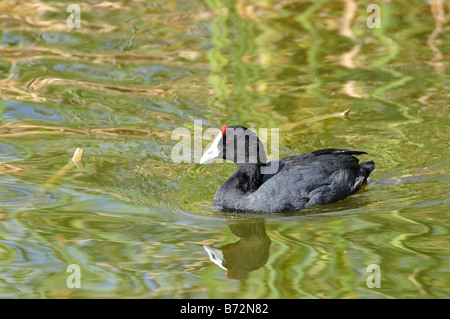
(136, 222)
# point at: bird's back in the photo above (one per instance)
(305, 180)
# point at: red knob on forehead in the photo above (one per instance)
(224, 128)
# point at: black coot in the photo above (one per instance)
(291, 183)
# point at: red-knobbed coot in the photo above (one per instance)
(291, 183)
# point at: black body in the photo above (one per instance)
(305, 180)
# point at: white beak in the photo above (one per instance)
(213, 151)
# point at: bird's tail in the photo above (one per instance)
(367, 167)
(364, 170)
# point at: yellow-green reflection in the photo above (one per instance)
(136, 222)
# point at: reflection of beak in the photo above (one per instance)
(213, 151)
(215, 255)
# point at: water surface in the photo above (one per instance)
(137, 223)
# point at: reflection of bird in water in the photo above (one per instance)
(249, 253)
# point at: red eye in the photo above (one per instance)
(228, 140)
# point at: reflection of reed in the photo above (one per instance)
(27, 53)
(400, 242)
(349, 15)
(438, 11)
(381, 93)
(349, 88)
(347, 59)
(241, 59)
(31, 16)
(306, 20)
(77, 161)
(6, 168)
(36, 20)
(12, 129)
(110, 88)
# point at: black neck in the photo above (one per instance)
(249, 176)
